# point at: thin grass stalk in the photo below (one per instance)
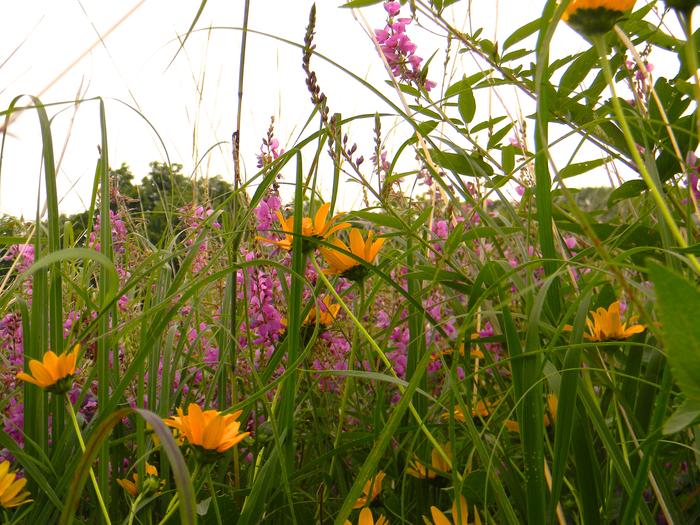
(231, 289)
(106, 374)
(79, 436)
(416, 342)
(648, 450)
(566, 409)
(543, 181)
(289, 386)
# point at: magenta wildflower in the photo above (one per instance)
(398, 49)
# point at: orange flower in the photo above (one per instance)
(372, 488)
(54, 373)
(595, 17)
(11, 493)
(150, 484)
(208, 431)
(319, 227)
(605, 325)
(366, 518)
(459, 516)
(347, 266)
(482, 408)
(437, 464)
(328, 313)
(474, 353)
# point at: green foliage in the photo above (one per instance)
(486, 337)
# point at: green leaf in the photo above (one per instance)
(361, 3)
(464, 84)
(683, 417)
(508, 158)
(462, 164)
(581, 167)
(578, 71)
(498, 135)
(522, 33)
(466, 103)
(678, 302)
(487, 124)
(380, 219)
(627, 190)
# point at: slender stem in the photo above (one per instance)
(601, 47)
(347, 387)
(134, 507)
(210, 482)
(175, 502)
(79, 435)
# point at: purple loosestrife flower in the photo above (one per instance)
(399, 50)
(269, 152)
(266, 211)
(119, 233)
(24, 253)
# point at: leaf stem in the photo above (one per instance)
(79, 435)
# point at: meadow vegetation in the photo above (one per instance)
(479, 344)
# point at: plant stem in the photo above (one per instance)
(601, 47)
(175, 502)
(210, 482)
(78, 434)
(134, 507)
(348, 380)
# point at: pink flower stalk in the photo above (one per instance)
(269, 152)
(399, 50)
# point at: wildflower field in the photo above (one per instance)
(481, 342)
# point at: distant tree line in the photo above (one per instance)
(156, 199)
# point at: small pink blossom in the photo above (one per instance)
(392, 8)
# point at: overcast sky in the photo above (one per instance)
(192, 103)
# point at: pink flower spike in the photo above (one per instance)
(392, 8)
(382, 35)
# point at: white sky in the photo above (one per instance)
(192, 103)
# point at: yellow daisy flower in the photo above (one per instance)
(320, 227)
(372, 488)
(606, 325)
(150, 484)
(460, 515)
(53, 373)
(11, 493)
(366, 518)
(437, 464)
(595, 17)
(345, 265)
(208, 431)
(327, 316)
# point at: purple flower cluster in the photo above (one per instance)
(193, 219)
(399, 51)
(269, 152)
(119, 233)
